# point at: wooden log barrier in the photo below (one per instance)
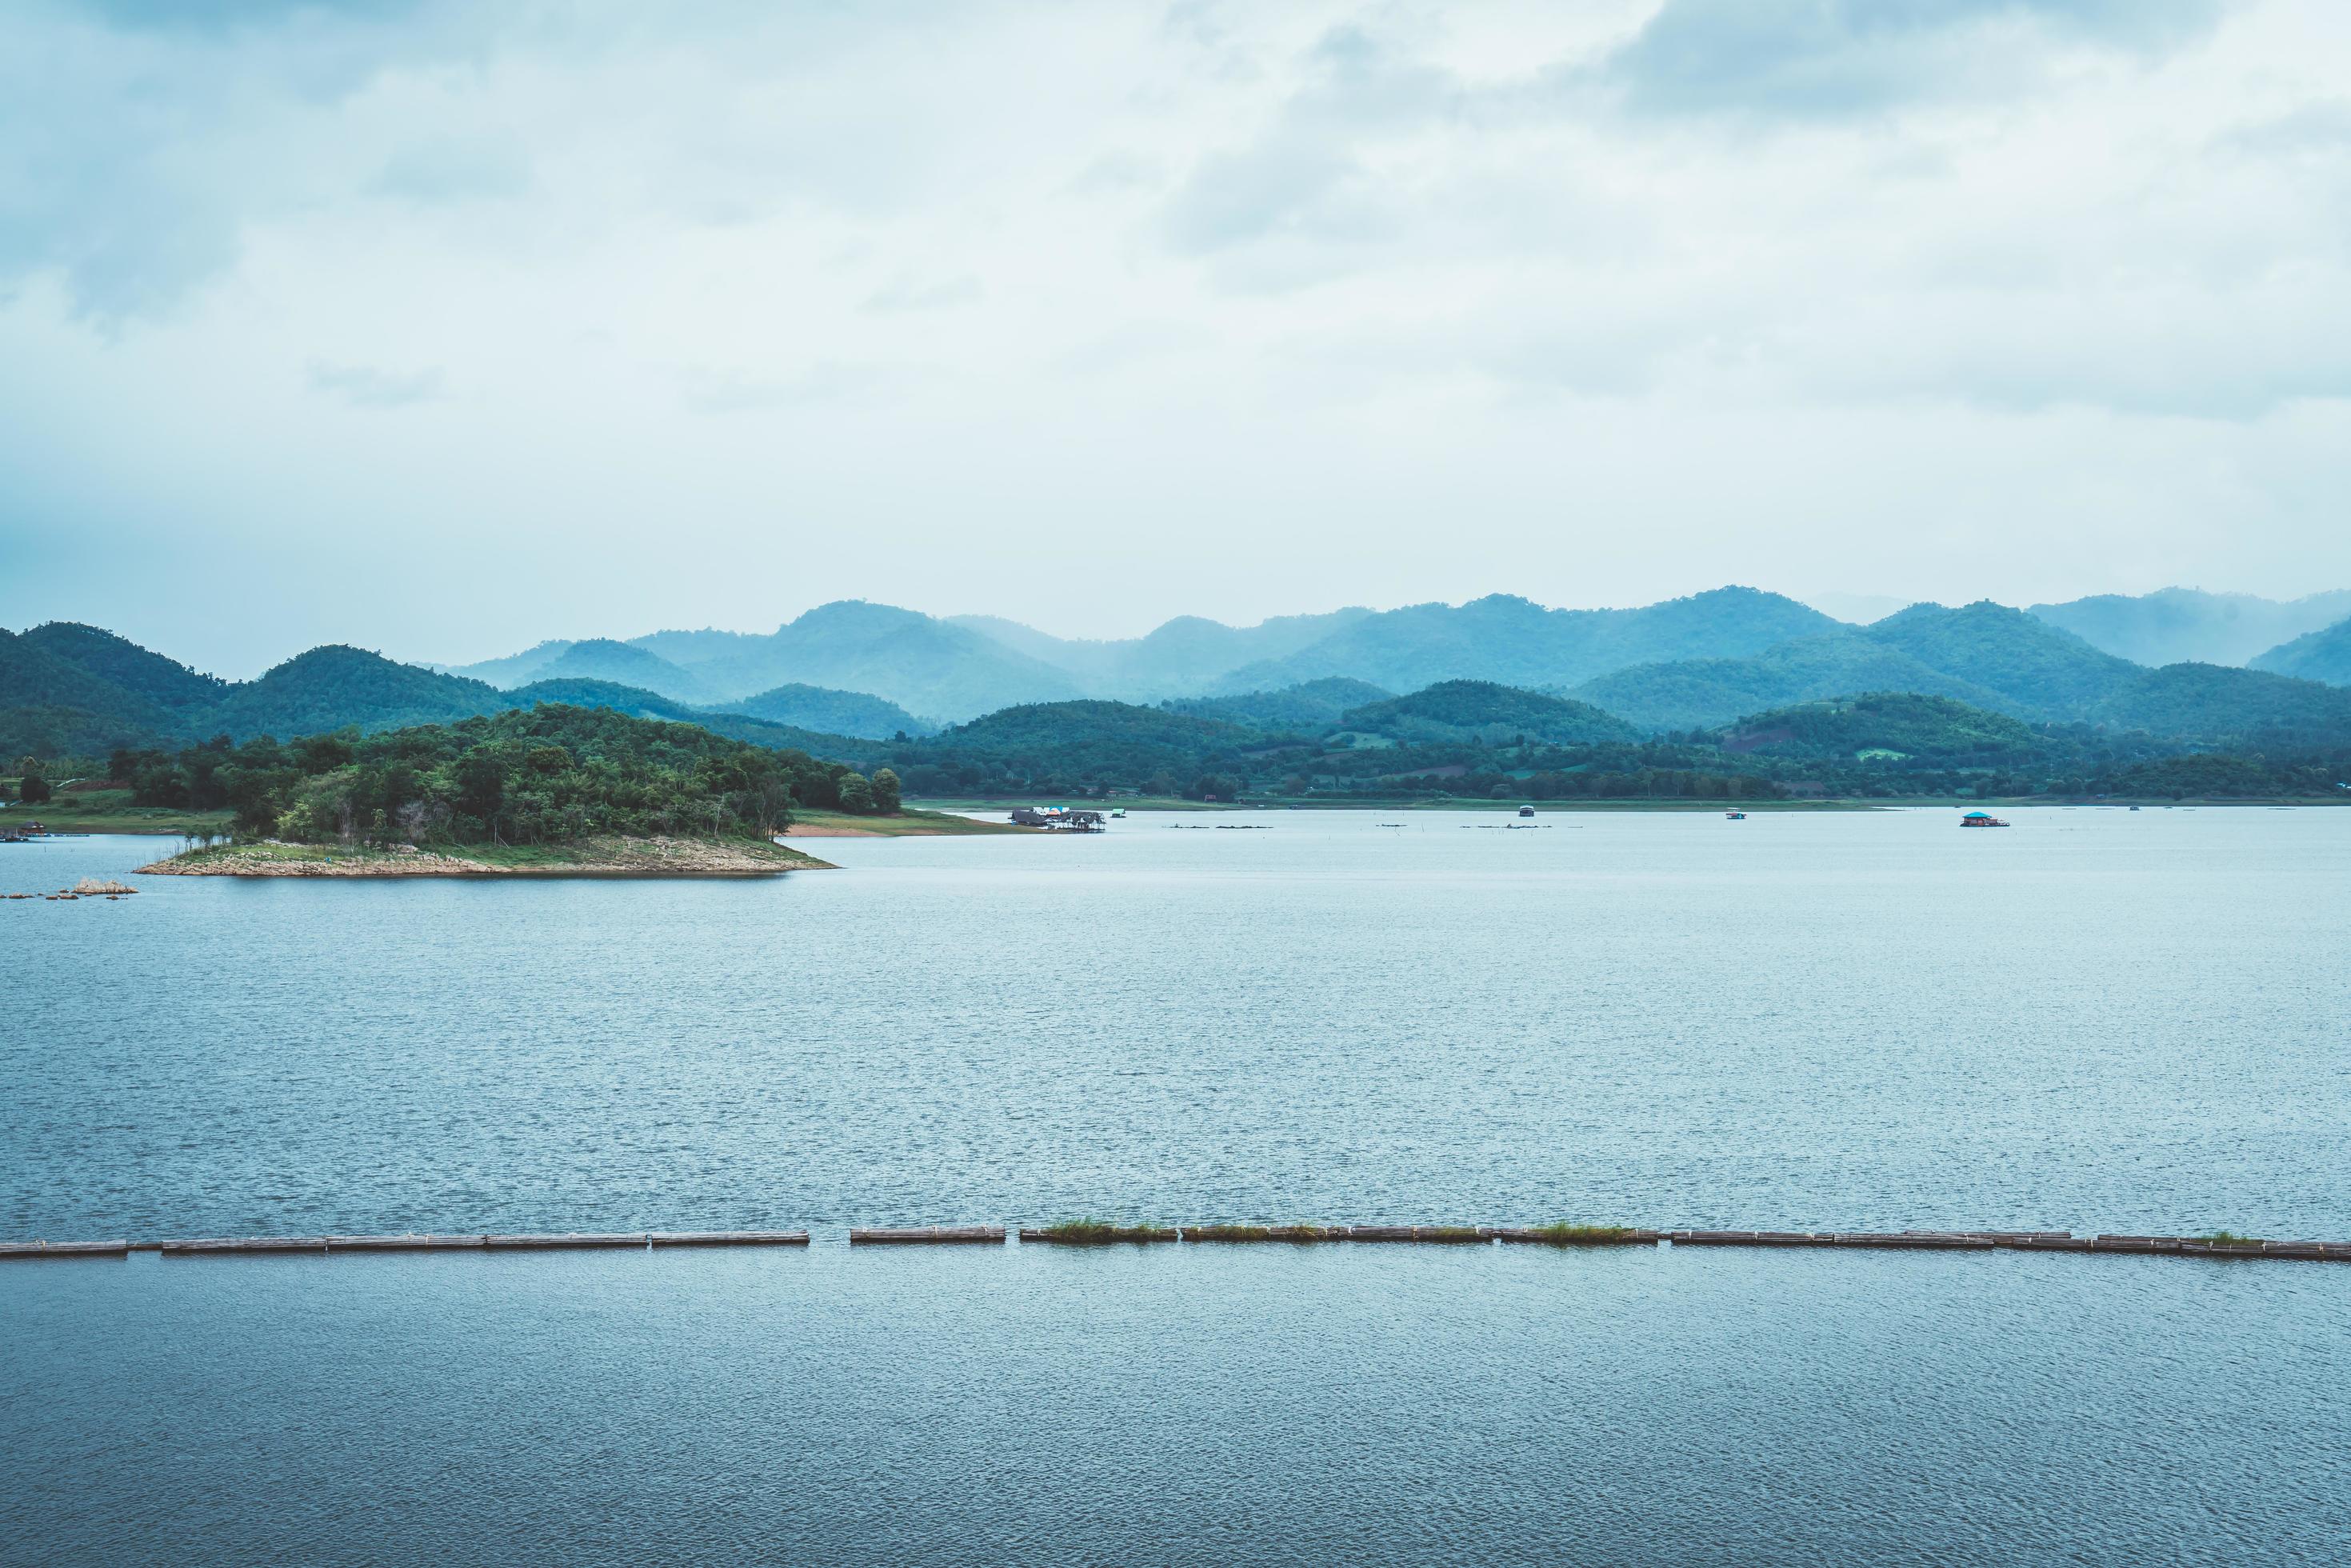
(929, 1235)
(995, 1234)
(65, 1249)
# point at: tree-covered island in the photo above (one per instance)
(543, 790)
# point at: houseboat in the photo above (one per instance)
(1059, 820)
(1526, 811)
(1981, 820)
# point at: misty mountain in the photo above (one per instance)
(515, 668)
(1183, 657)
(2324, 656)
(601, 659)
(2176, 626)
(927, 666)
(832, 711)
(1516, 641)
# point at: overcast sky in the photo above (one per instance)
(444, 328)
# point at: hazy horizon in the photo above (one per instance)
(1857, 609)
(443, 330)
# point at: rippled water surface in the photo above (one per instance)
(2091, 1021)
(1193, 1405)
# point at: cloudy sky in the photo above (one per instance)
(444, 328)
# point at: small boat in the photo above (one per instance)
(1981, 820)
(1526, 811)
(1735, 816)
(1118, 811)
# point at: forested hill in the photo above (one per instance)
(75, 691)
(1483, 711)
(2322, 655)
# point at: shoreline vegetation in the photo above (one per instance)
(110, 810)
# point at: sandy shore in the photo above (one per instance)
(619, 857)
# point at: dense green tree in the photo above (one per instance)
(540, 775)
(856, 794)
(886, 792)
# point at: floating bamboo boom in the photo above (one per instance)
(1079, 1233)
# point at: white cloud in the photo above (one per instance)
(1639, 295)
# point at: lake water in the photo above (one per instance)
(2095, 1019)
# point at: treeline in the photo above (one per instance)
(545, 775)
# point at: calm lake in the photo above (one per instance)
(2096, 1020)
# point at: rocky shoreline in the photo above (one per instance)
(613, 857)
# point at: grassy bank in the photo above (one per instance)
(1320, 803)
(908, 824)
(111, 811)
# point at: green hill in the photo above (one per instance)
(1706, 694)
(638, 703)
(1896, 725)
(2216, 705)
(1088, 740)
(1306, 708)
(50, 707)
(832, 711)
(2029, 667)
(166, 683)
(1483, 711)
(2321, 655)
(336, 686)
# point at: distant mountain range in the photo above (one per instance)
(849, 676)
(2187, 625)
(1734, 649)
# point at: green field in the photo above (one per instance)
(908, 824)
(111, 811)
